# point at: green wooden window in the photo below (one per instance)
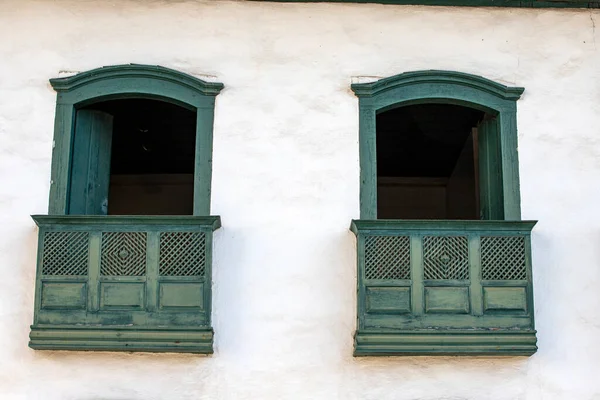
(127, 82)
(445, 286)
(468, 3)
(123, 282)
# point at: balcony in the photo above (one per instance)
(444, 288)
(132, 283)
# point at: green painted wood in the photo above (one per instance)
(90, 170)
(93, 271)
(122, 296)
(190, 339)
(449, 320)
(203, 162)
(459, 80)
(122, 82)
(505, 299)
(444, 226)
(100, 309)
(37, 303)
(368, 161)
(509, 157)
(529, 282)
(61, 157)
(388, 300)
(487, 311)
(475, 289)
(435, 342)
(181, 295)
(465, 3)
(207, 289)
(94, 222)
(152, 72)
(441, 87)
(453, 300)
(416, 267)
(152, 267)
(491, 204)
(360, 287)
(63, 295)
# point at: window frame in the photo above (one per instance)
(123, 82)
(441, 87)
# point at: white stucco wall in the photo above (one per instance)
(285, 182)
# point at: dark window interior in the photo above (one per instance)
(427, 162)
(152, 157)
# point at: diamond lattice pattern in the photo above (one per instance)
(446, 257)
(387, 257)
(503, 258)
(182, 253)
(65, 253)
(123, 254)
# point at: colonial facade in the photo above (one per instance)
(299, 200)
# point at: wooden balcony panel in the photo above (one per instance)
(133, 283)
(444, 287)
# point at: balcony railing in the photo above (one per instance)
(124, 283)
(444, 287)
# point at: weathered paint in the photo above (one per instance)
(140, 280)
(286, 183)
(448, 268)
(443, 87)
(121, 81)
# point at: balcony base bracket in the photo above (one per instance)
(121, 338)
(445, 342)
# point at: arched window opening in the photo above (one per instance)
(427, 162)
(133, 157)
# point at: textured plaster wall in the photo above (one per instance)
(286, 184)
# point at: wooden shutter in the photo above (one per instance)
(491, 202)
(90, 168)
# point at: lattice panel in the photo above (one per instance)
(182, 253)
(123, 254)
(65, 253)
(446, 257)
(387, 257)
(503, 258)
